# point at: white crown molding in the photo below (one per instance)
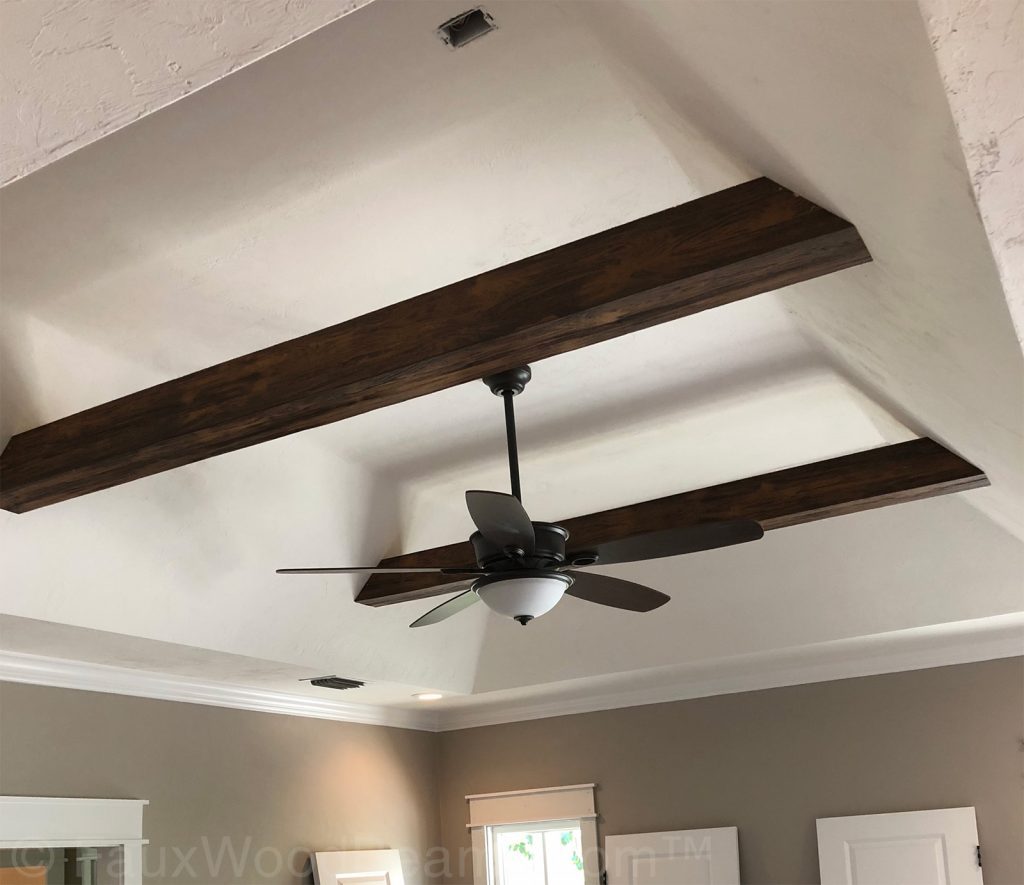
(86, 676)
(918, 648)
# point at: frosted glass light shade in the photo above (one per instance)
(524, 597)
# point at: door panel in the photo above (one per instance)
(689, 870)
(358, 867)
(911, 848)
(679, 857)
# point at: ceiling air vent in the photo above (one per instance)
(458, 31)
(336, 682)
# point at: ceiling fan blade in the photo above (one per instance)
(606, 590)
(374, 570)
(501, 519)
(450, 606)
(671, 542)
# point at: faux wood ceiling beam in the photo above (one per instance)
(908, 471)
(730, 245)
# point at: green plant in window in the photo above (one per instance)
(523, 847)
(565, 839)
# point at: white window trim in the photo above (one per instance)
(541, 806)
(46, 822)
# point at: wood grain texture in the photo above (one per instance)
(895, 474)
(739, 242)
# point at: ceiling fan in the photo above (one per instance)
(523, 568)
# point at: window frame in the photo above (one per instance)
(56, 822)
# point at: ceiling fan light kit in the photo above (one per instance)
(524, 596)
(523, 567)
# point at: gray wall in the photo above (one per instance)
(265, 787)
(771, 762)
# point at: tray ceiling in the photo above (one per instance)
(366, 163)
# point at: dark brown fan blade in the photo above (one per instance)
(606, 590)
(450, 606)
(501, 519)
(373, 570)
(670, 542)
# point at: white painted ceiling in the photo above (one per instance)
(73, 71)
(366, 163)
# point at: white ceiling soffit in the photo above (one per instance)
(958, 642)
(256, 211)
(73, 71)
(62, 642)
(979, 45)
(259, 685)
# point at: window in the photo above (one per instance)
(549, 853)
(542, 836)
(75, 866)
(71, 840)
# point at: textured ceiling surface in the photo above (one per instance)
(979, 46)
(367, 163)
(73, 71)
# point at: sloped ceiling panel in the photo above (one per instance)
(73, 71)
(925, 329)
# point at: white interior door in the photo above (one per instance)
(912, 848)
(358, 867)
(679, 857)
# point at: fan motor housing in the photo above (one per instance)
(549, 549)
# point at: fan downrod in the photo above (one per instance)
(508, 385)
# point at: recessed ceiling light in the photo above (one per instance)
(428, 696)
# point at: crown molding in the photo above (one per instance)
(941, 645)
(918, 648)
(86, 676)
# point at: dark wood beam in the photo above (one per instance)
(893, 474)
(739, 242)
